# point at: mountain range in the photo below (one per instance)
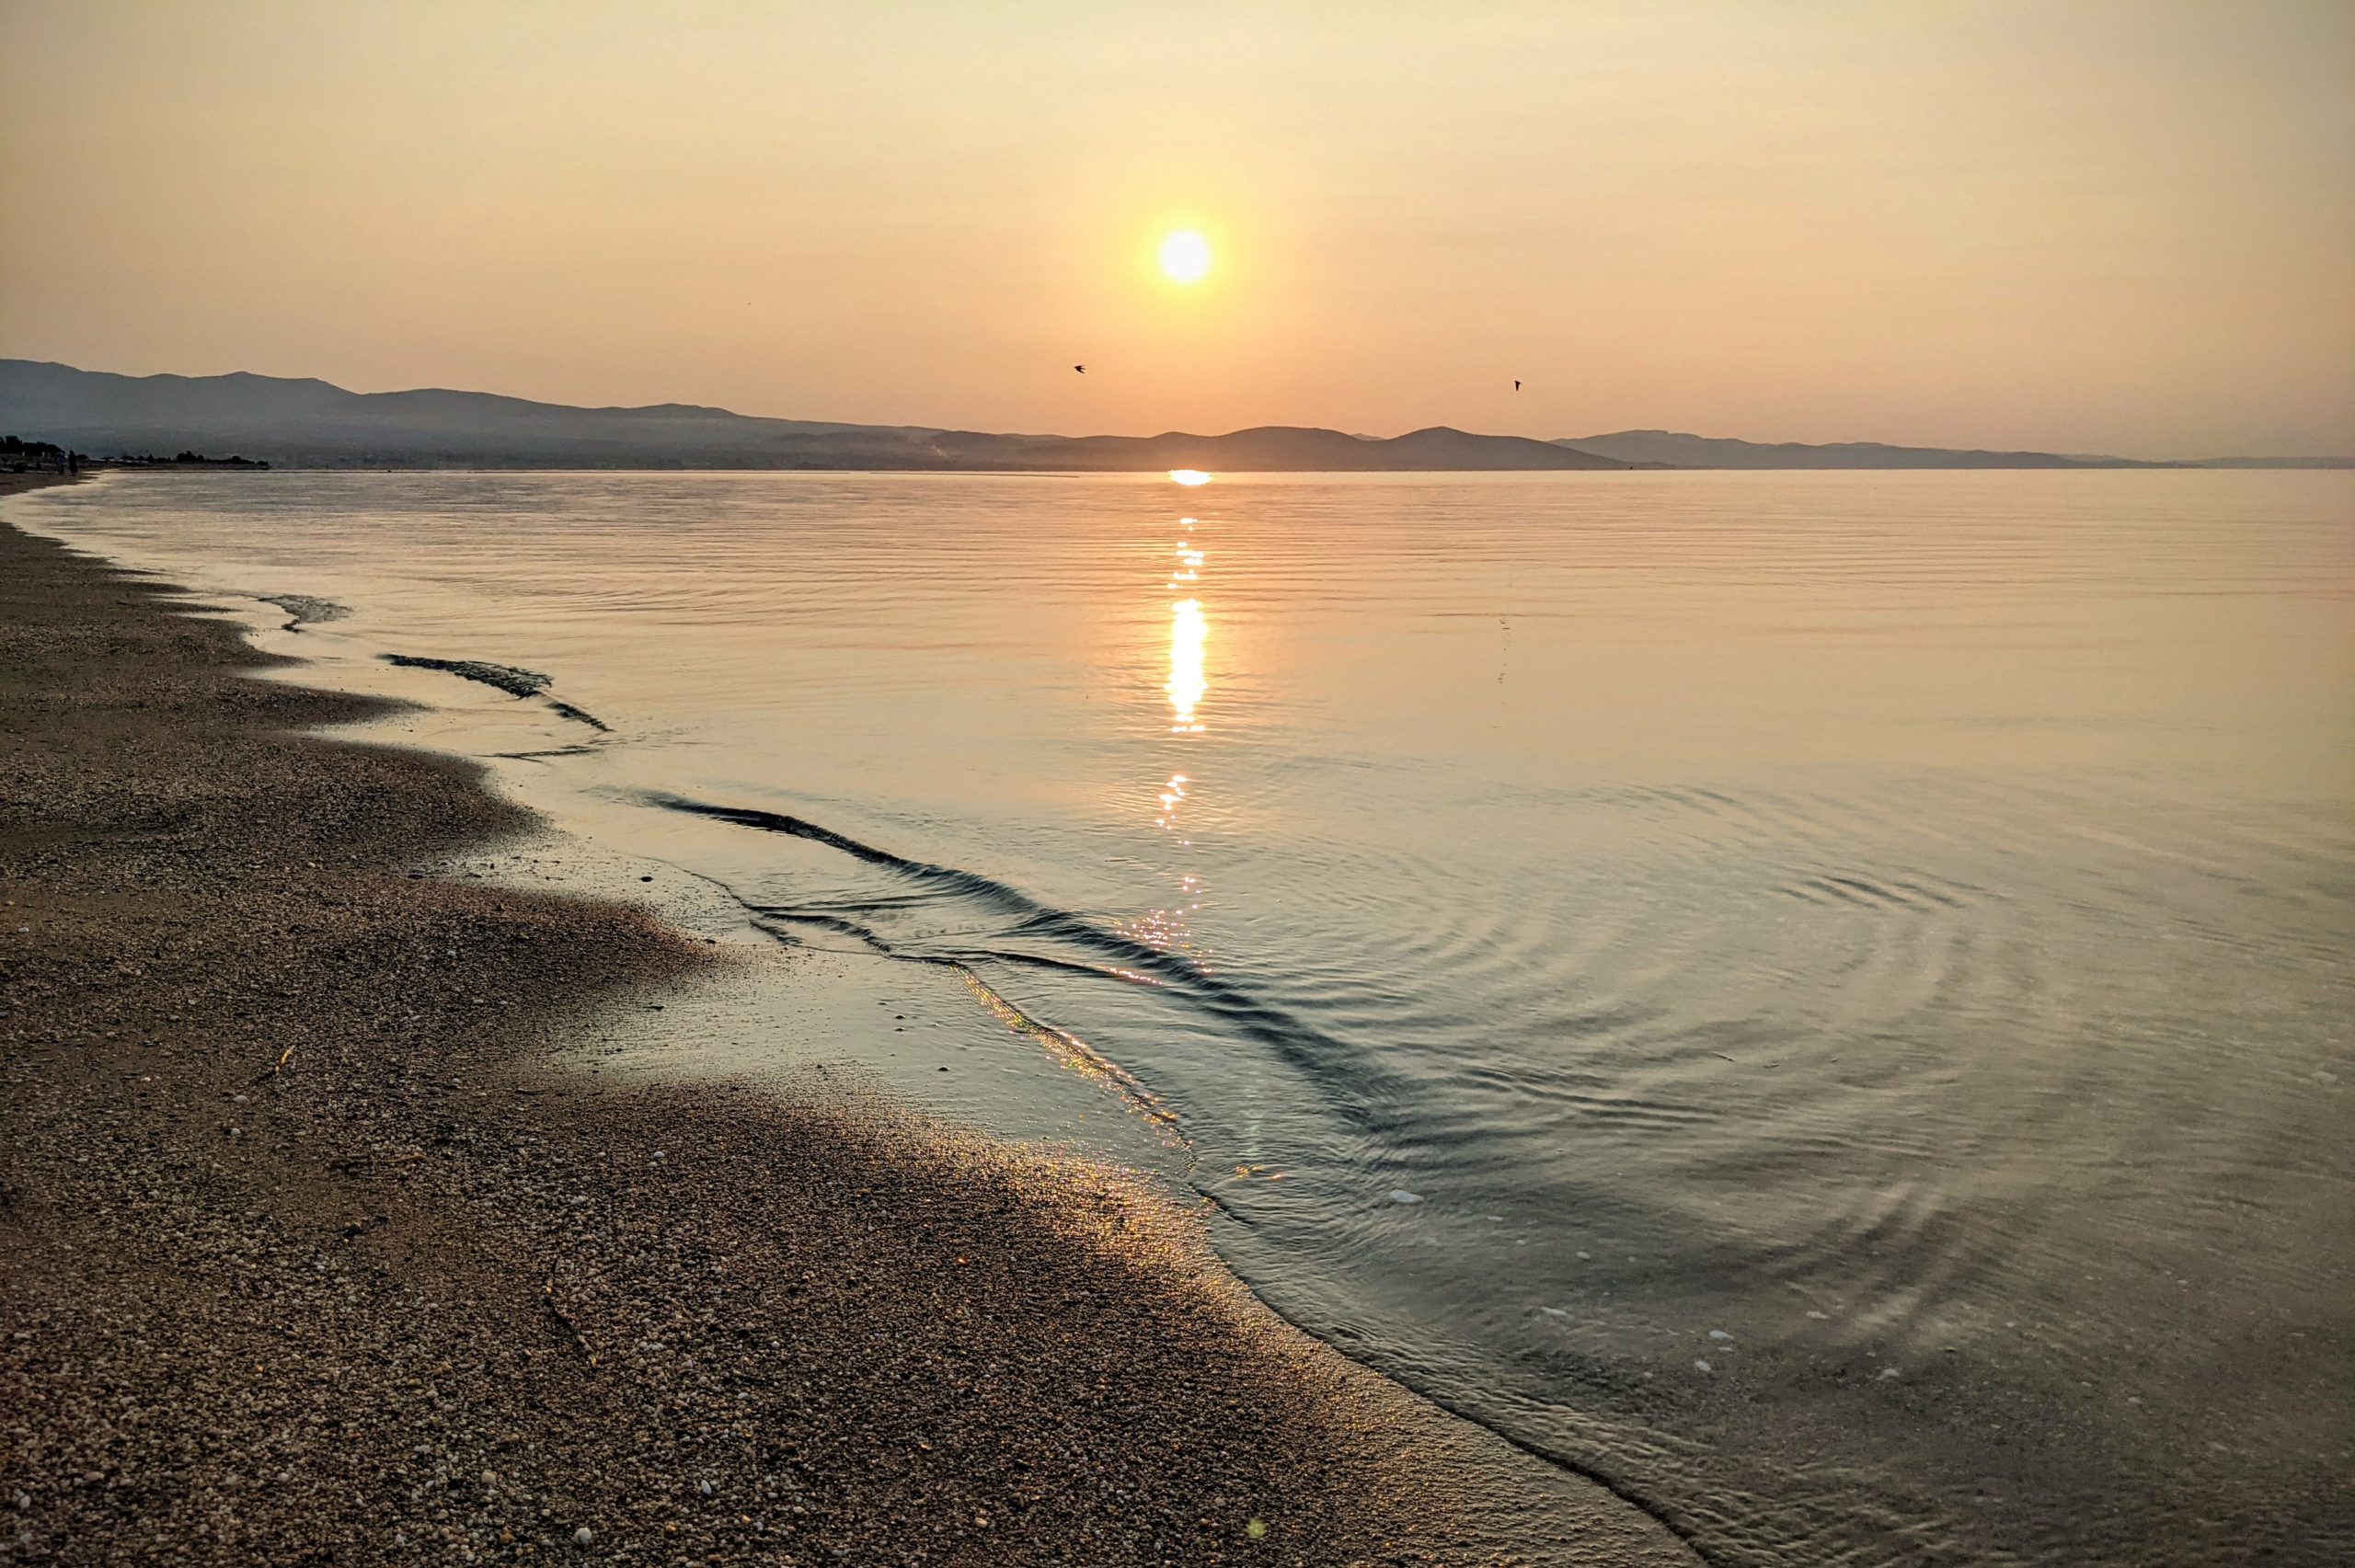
(1674, 449)
(308, 423)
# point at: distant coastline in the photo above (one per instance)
(281, 422)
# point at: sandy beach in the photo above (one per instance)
(316, 1253)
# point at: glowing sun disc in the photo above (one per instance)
(1189, 476)
(1184, 257)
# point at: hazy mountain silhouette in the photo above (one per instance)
(307, 421)
(312, 423)
(1272, 448)
(1674, 449)
(1713, 451)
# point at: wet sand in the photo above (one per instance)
(315, 1250)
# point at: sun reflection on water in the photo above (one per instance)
(1188, 631)
(1173, 795)
(1170, 930)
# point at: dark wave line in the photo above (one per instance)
(579, 751)
(851, 929)
(1047, 961)
(580, 715)
(828, 921)
(1355, 1089)
(505, 678)
(801, 828)
(1063, 1042)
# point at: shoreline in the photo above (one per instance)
(319, 1254)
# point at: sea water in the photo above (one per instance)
(1820, 999)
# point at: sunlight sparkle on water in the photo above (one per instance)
(1189, 476)
(1187, 630)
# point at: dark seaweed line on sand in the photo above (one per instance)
(507, 678)
(1062, 923)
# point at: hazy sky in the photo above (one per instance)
(2087, 226)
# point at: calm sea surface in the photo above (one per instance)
(1822, 1001)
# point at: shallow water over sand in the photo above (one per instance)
(1820, 1000)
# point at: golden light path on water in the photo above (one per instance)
(1188, 683)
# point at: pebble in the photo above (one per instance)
(583, 1536)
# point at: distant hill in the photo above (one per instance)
(1674, 449)
(1274, 448)
(1682, 450)
(304, 423)
(2272, 463)
(312, 422)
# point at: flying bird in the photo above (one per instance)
(1081, 369)
(1516, 386)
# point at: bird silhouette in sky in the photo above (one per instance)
(1516, 386)
(1081, 369)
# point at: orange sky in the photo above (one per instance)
(2083, 227)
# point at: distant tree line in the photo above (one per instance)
(185, 459)
(23, 456)
(18, 455)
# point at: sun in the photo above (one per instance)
(1184, 257)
